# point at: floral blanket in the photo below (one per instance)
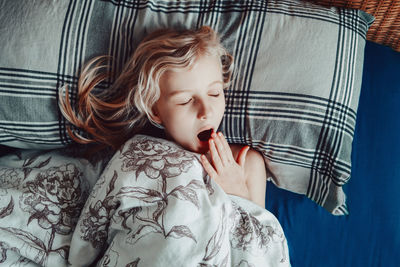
(152, 205)
(41, 197)
(155, 206)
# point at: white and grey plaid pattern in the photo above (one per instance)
(294, 93)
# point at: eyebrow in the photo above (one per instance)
(185, 91)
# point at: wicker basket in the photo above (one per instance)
(386, 27)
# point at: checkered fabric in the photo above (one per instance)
(293, 97)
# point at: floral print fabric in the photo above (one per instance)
(155, 206)
(41, 197)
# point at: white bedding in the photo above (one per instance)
(155, 206)
(41, 196)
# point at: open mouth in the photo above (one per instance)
(205, 135)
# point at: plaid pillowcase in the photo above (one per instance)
(294, 95)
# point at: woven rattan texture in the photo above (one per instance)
(386, 27)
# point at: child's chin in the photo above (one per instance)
(200, 147)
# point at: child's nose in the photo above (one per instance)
(205, 110)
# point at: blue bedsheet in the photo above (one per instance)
(370, 235)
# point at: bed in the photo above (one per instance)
(314, 92)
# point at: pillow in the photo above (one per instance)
(41, 197)
(385, 30)
(293, 97)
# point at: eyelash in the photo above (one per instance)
(183, 104)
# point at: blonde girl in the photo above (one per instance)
(176, 81)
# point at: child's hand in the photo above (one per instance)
(226, 171)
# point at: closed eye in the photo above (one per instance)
(214, 95)
(186, 102)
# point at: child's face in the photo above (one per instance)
(191, 101)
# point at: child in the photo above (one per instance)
(175, 80)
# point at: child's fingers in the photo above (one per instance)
(215, 155)
(220, 148)
(226, 145)
(241, 158)
(207, 166)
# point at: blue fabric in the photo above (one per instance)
(370, 235)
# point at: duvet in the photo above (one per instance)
(152, 205)
(155, 206)
(41, 196)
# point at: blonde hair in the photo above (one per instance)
(111, 117)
